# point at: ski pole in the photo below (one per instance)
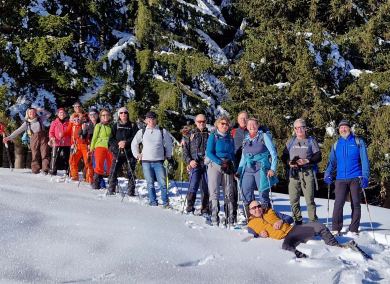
(242, 197)
(185, 200)
(130, 169)
(368, 209)
(327, 215)
(8, 153)
(270, 192)
(110, 177)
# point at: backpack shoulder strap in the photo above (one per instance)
(291, 142)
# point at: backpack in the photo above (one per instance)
(310, 143)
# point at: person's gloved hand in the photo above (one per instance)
(328, 180)
(227, 167)
(364, 182)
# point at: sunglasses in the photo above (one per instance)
(223, 123)
(201, 121)
(255, 207)
(123, 112)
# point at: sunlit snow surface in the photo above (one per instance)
(55, 232)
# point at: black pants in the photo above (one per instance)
(303, 233)
(342, 188)
(117, 164)
(61, 156)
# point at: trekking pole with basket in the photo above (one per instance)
(270, 192)
(327, 207)
(7, 150)
(368, 209)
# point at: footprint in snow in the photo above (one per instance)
(192, 225)
(198, 262)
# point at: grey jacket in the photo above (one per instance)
(152, 144)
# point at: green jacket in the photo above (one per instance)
(101, 134)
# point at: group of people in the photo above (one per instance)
(103, 146)
(237, 160)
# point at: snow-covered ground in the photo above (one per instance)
(56, 232)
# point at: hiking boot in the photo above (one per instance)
(96, 181)
(131, 192)
(298, 222)
(166, 206)
(300, 254)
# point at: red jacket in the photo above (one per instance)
(58, 132)
(73, 130)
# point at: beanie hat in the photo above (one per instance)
(151, 114)
(344, 122)
(92, 110)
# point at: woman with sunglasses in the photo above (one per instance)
(99, 148)
(220, 160)
(79, 148)
(255, 169)
(264, 222)
(122, 133)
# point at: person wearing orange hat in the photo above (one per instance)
(79, 148)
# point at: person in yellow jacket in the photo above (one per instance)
(99, 146)
(265, 223)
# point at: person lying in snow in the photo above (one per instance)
(264, 223)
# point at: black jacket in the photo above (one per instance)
(195, 145)
(122, 132)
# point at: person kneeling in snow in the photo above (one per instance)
(265, 223)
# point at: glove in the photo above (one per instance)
(328, 180)
(227, 167)
(364, 182)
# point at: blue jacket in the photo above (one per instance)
(220, 148)
(349, 160)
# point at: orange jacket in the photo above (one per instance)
(266, 222)
(73, 130)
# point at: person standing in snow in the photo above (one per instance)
(255, 169)
(59, 142)
(265, 223)
(302, 154)
(238, 134)
(34, 125)
(220, 169)
(194, 153)
(122, 134)
(156, 147)
(79, 148)
(348, 158)
(99, 148)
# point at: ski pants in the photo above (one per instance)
(342, 188)
(103, 160)
(61, 156)
(215, 179)
(302, 182)
(81, 153)
(302, 233)
(40, 153)
(116, 166)
(249, 183)
(198, 180)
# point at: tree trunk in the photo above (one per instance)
(386, 188)
(19, 156)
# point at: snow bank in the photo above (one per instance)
(59, 233)
(214, 51)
